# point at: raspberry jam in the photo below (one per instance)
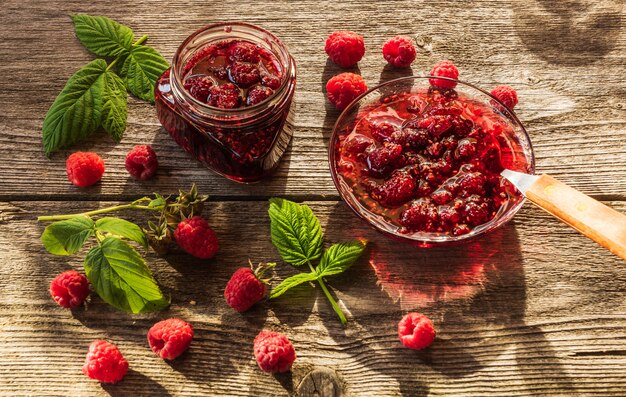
(227, 99)
(426, 163)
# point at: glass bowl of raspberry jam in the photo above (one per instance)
(227, 99)
(422, 164)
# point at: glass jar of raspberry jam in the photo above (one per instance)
(227, 99)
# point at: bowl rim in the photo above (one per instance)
(424, 240)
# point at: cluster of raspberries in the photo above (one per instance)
(346, 48)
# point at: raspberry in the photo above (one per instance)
(435, 125)
(245, 52)
(273, 352)
(245, 288)
(225, 96)
(505, 94)
(399, 51)
(170, 338)
(344, 88)
(244, 74)
(470, 183)
(421, 215)
(476, 210)
(441, 196)
(271, 81)
(196, 237)
(466, 149)
(357, 143)
(84, 168)
(141, 162)
(69, 289)
(396, 190)
(198, 87)
(382, 131)
(380, 159)
(444, 69)
(258, 94)
(221, 73)
(416, 331)
(345, 48)
(104, 362)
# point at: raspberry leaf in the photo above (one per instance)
(114, 107)
(296, 232)
(339, 257)
(291, 282)
(141, 68)
(101, 35)
(121, 277)
(122, 228)
(76, 112)
(68, 236)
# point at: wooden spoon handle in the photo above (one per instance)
(595, 220)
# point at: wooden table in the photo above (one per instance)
(532, 309)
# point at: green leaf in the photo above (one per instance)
(114, 107)
(296, 232)
(76, 112)
(101, 35)
(339, 257)
(291, 282)
(122, 228)
(122, 279)
(66, 237)
(141, 68)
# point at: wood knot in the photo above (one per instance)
(321, 382)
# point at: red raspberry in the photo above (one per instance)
(444, 69)
(343, 88)
(476, 210)
(436, 125)
(470, 183)
(244, 74)
(245, 287)
(104, 362)
(245, 52)
(382, 131)
(357, 143)
(271, 81)
(273, 352)
(396, 190)
(258, 94)
(345, 48)
(505, 94)
(196, 237)
(421, 216)
(416, 331)
(198, 87)
(69, 289)
(141, 162)
(84, 168)
(382, 157)
(170, 338)
(399, 51)
(225, 96)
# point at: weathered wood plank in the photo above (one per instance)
(573, 104)
(532, 309)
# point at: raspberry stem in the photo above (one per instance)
(138, 42)
(332, 300)
(96, 212)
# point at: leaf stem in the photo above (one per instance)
(96, 212)
(332, 300)
(141, 40)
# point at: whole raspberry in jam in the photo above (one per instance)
(382, 131)
(225, 96)
(273, 352)
(244, 74)
(396, 190)
(382, 158)
(195, 236)
(69, 289)
(245, 287)
(344, 88)
(444, 69)
(416, 331)
(84, 168)
(141, 162)
(505, 94)
(244, 52)
(104, 362)
(345, 48)
(399, 51)
(258, 94)
(435, 125)
(170, 338)
(198, 87)
(271, 81)
(470, 183)
(476, 210)
(357, 143)
(421, 215)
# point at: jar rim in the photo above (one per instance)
(177, 62)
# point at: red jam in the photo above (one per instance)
(229, 101)
(429, 161)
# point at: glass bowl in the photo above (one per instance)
(515, 148)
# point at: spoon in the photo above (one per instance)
(595, 220)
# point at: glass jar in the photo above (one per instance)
(244, 144)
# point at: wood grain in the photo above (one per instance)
(533, 309)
